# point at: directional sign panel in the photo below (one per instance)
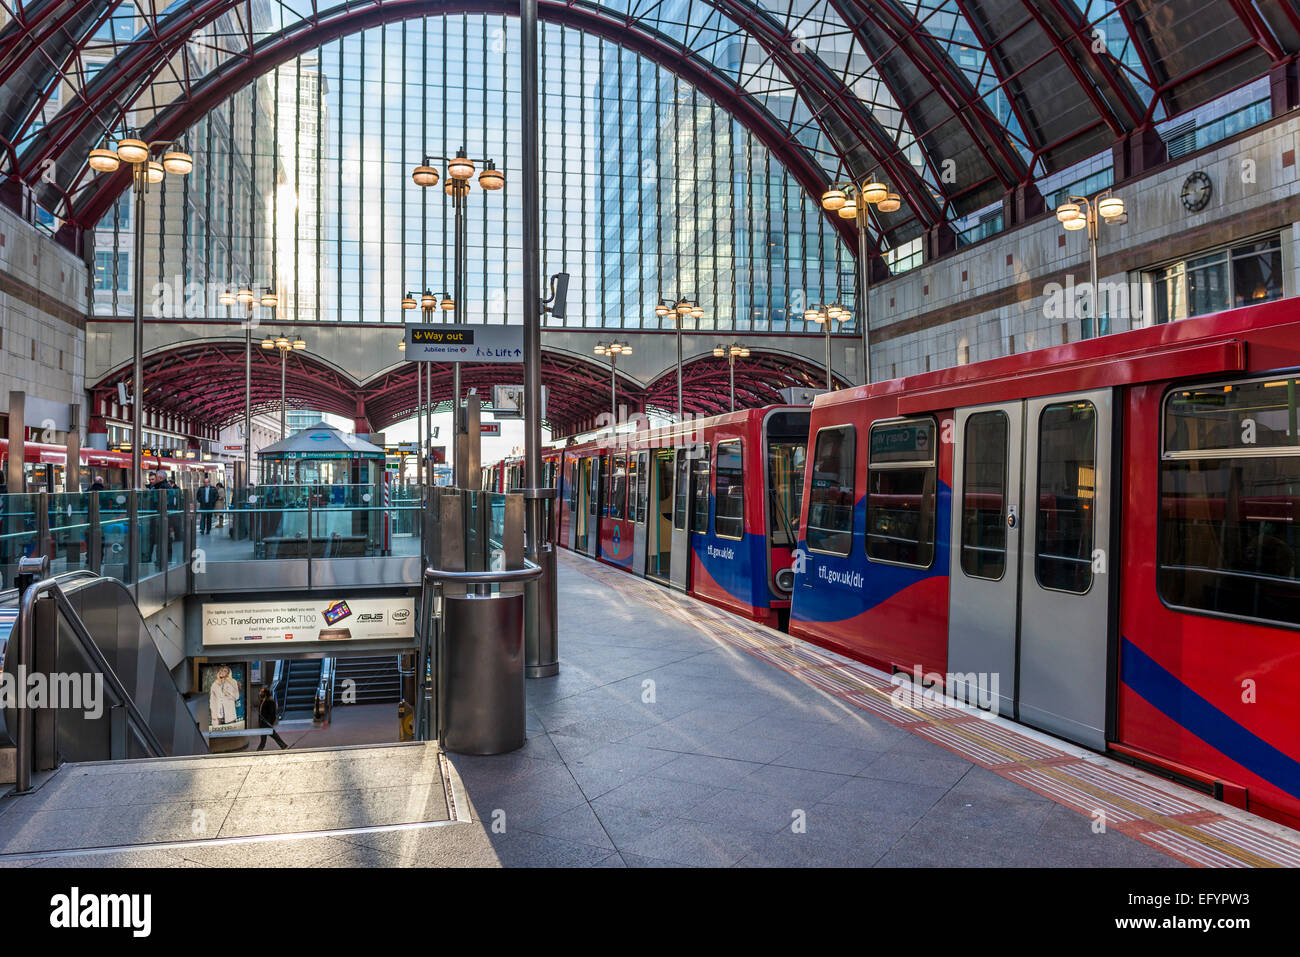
(489, 428)
(464, 343)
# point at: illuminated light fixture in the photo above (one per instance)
(833, 198)
(283, 344)
(718, 351)
(684, 307)
(1110, 207)
(697, 312)
(448, 303)
(1079, 222)
(491, 178)
(401, 346)
(662, 309)
(1068, 212)
(408, 302)
(744, 352)
(848, 211)
(245, 296)
(600, 349)
(891, 203)
(227, 298)
(178, 162)
(268, 343)
(299, 343)
(812, 315)
(428, 301)
(270, 299)
(425, 175)
(461, 167)
(834, 311)
(155, 172)
(875, 192)
(103, 160)
(132, 150)
(455, 186)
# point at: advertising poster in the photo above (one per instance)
(224, 685)
(327, 619)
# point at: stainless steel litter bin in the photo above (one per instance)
(479, 663)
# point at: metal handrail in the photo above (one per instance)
(24, 744)
(527, 573)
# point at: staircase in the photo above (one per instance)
(373, 680)
(300, 689)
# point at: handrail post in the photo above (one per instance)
(133, 542)
(31, 579)
(311, 541)
(162, 534)
(94, 535)
(191, 538)
(44, 545)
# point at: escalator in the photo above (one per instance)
(90, 639)
(301, 681)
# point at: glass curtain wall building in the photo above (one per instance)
(302, 183)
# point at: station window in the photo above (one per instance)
(1219, 279)
(617, 485)
(1067, 493)
(700, 492)
(1229, 498)
(831, 495)
(901, 483)
(682, 490)
(984, 496)
(729, 493)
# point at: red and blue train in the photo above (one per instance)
(1099, 539)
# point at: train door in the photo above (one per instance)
(659, 550)
(1043, 624)
(679, 573)
(582, 510)
(638, 483)
(595, 503)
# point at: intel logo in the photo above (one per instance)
(401, 614)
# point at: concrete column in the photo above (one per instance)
(17, 434)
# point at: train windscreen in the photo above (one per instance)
(787, 450)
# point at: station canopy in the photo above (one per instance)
(953, 103)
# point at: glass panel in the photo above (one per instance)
(682, 486)
(19, 533)
(618, 487)
(910, 441)
(700, 492)
(1067, 449)
(785, 464)
(115, 532)
(984, 487)
(1257, 274)
(1207, 284)
(1228, 537)
(1232, 417)
(729, 492)
(900, 516)
(642, 465)
(830, 497)
(70, 531)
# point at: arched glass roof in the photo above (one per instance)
(953, 102)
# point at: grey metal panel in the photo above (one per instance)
(592, 504)
(639, 548)
(1063, 636)
(151, 593)
(354, 572)
(982, 613)
(269, 575)
(177, 582)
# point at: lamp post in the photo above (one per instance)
(679, 310)
(144, 172)
(824, 316)
(613, 350)
(851, 201)
(732, 352)
(247, 298)
(1083, 212)
(285, 346)
(460, 170)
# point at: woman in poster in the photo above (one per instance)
(223, 698)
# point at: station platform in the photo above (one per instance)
(675, 735)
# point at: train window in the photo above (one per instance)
(1229, 497)
(1067, 487)
(617, 486)
(785, 462)
(901, 483)
(681, 490)
(729, 493)
(700, 492)
(831, 495)
(984, 489)
(642, 485)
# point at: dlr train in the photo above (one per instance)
(45, 468)
(1099, 539)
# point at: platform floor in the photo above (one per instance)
(675, 735)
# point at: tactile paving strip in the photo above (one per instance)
(1169, 820)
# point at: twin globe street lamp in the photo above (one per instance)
(1082, 212)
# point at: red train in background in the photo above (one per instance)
(45, 468)
(1099, 539)
(707, 507)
